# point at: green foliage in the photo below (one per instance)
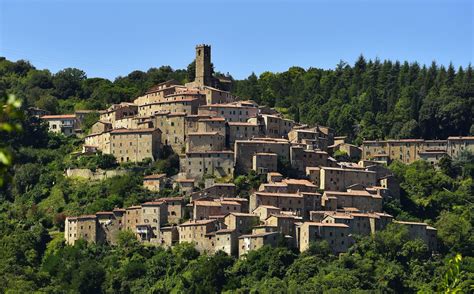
(93, 162)
(9, 116)
(244, 184)
(371, 99)
(366, 101)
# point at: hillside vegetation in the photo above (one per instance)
(368, 100)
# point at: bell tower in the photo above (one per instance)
(203, 65)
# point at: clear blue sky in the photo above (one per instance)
(111, 38)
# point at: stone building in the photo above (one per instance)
(339, 179)
(336, 234)
(302, 158)
(276, 126)
(421, 231)
(299, 204)
(243, 131)
(118, 111)
(186, 186)
(318, 137)
(264, 211)
(216, 163)
(456, 145)
(175, 209)
(360, 223)
(216, 191)
(231, 112)
(212, 124)
(173, 129)
(65, 124)
(245, 149)
(352, 151)
(264, 163)
(205, 141)
(83, 227)
(256, 241)
(153, 215)
(135, 144)
(362, 200)
(410, 150)
(283, 223)
(226, 240)
(154, 182)
(242, 223)
(204, 208)
(198, 232)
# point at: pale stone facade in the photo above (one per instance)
(245, 149)
(205, 141)
(362, 200)
(339, 179)
(216, 163)
(263, 163)
(154, 182)
(65, 124)
(256, 241)
(336, 234)
(135, 144)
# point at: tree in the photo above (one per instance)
(68, 82)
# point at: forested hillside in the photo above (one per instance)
(369, 100)
(372, 99)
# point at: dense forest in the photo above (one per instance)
(368, 100)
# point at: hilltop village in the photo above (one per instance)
(219, 136)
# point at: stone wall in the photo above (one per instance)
(97, 175)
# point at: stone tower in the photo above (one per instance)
(203, 65)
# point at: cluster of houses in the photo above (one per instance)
(218, 136)
(282, 212)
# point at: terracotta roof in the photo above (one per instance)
(185, 180)
(354, 193)
(299, 182)
(230, 202)
(243, 214)
(206, 203)
(235, 199)
(410, 223)
(212, 119)
(236, 123)
(461, 138)
(59, 116)
(274, 174)
(225, 231)
(258, 235)
(267, 207)
(126, 131)
(327, 224)
(155, 176)
(279, 215)
(152, 203)
(268, 194)
(203, 134)
(197, 222)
